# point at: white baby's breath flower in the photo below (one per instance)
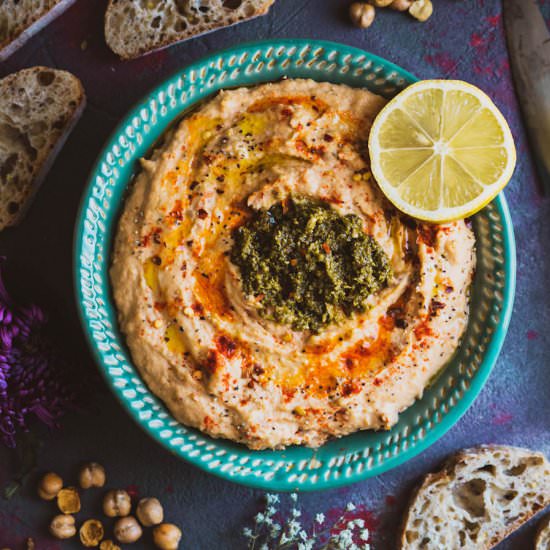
(302, 535)
(270, 511)
(320, 518)
(247, 532)
(350, 507)
(364, 535)
(264, 546)
(260, 518)
(271, 498)
(295, 513)
(294, 496)
(294, 528)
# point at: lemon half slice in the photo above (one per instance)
(441, 150)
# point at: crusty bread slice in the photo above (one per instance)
(478, 498)
(135, 27)
(20, 19)
(542, 540)
(38, 108)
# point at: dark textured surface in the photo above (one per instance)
(462, 40)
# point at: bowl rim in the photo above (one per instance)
(434, 433)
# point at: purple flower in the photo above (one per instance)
(32, 385)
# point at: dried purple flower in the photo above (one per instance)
(31, 381)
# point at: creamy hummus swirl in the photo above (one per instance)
(199, 342)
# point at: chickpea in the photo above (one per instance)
(421, 10)
(116, 503)
(127, 530)
(380, 3)
(167, 536)
(362, 14)
(401, 5)
(108, 545)
(91, 532)
(50, 484)
(63, 526)
(68, 500)
(149, 512)
(91, 474)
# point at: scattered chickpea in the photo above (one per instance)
(421, 9)
(116, 503)
(108, 545)
(167, 536)
(127, 530)
(149, 512)
(68, 500)
(50, 484)
(31, 545)
(91, 474)
(401, 5)
(63, 526)
(380, 3)
(362, 14)
(91, 532)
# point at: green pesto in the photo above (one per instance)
(308, 265)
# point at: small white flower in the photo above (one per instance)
(264, 546)
(293, 528)
(294, 496)
(350, 507)
(247, 532)
(260, 518)
(271, 498)
(270, 511)
(364, 535)
(302, 535)
(295, 513)
(284, 539)
(320, 518)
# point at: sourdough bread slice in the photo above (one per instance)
(38, 108)
(542, 540)
(479, 498)
(135, 27)
(20, 19)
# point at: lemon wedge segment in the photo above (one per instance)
(441, 150)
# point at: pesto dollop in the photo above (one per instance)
(306, 264)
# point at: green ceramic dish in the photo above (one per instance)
(342, 461)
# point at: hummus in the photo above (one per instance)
(198, 339)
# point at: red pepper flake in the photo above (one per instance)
(328, 137)
(156, 260)
(202, 213)
(286, 112)
(198, 308)
(226, 346)
(326, 248)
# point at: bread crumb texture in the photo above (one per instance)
(479, 498)
(37, 109)
(135, 27)
(17, 15)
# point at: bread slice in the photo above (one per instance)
(478, 498)
(542, 540)
(135, 27)
(38, 108)
(20, 19)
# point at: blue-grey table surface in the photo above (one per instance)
(464, 40)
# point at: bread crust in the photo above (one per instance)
(446, 474)
(22, 35)
(44, 163)
(262, 9)
(543, 532)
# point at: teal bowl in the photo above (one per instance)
(341, 461)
